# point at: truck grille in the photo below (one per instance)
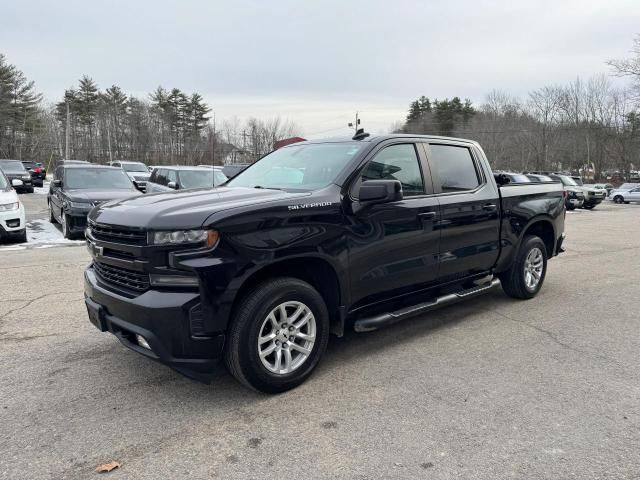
(114, 233)
(138, 282)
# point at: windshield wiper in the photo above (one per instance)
(267, 188)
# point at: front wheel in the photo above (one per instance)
(277, 336)
(526, 275)
(588, 207)
(52, 217)
(618, 199)
(66, 228)
(570, 207)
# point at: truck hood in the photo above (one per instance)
(183, 210)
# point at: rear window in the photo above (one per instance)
(454, 168)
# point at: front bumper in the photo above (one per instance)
(162, 318)
(12, 222)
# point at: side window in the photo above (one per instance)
(172, 177)
(453, 168)
(154, 175)
(397, 162)
(116, 164)
(162, 176)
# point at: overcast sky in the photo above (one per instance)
(316, 63)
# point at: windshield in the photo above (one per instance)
(29, 164)
(302, 167)
(96, 179)
(135, 167)
(4, 184)
(568, 181)
(12, 166)
(196, 178)
(219, 177)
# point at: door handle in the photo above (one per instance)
(427, 215)
(489, 206)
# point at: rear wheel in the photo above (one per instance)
(277, 336)
(22, 236)
(526, 275)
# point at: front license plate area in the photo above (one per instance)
(96, 316)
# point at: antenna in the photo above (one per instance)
(355, 125)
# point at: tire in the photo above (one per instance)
(22, 236)
(514, 280)
(257, 316)
(52, 217)
(588, 207)
(30, 190)
(64, 222)
(571, 207)
(618, 199)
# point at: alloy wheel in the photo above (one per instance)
(533, 266)
(286, 337)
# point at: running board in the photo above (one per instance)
(386, 319)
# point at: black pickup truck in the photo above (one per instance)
(313, 238)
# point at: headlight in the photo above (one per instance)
(9, 206)
(181, 237)
(26, 177)
(77, 205)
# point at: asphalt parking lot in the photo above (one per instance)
(491, 388)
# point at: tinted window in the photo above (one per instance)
(161, 178)
(453, 168)
(397, 162)
(4, 183)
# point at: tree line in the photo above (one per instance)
(584, 126)
(168, 126)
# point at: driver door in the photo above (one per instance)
(393, 247)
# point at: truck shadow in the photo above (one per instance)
(341, 351)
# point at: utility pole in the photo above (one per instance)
(66, 134)
(356, 124)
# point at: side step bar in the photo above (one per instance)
(385, 319)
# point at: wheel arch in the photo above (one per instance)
(543, 227)
(318, 271)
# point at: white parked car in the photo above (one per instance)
(12, 217)
(626, 193)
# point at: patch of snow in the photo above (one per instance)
(42, 234)
(42, 190)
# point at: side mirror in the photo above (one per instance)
(172, 185)
(16, 183)
(380, 191)
(57, 183)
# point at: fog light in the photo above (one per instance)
(142, 342)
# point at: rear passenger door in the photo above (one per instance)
(469, 210)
